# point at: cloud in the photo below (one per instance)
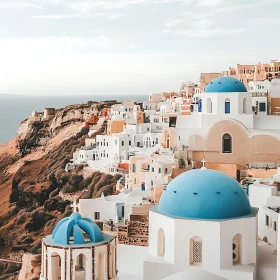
(210, 32)
(166, 31)
(53, 45)
(104, 15)
(86, 5)
(203, 3)
(173, 22)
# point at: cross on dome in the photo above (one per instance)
(203, 164)
(74, 206)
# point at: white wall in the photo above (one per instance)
(217, 240)
(258, 194)
(268, 230)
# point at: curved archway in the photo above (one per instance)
(245, 106)
(56, 271)
(196, 252)
(236, 249)
(161, 243)
(227, 144)
(227, 106)
(209, 105)
(80, 267)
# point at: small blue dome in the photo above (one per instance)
(74, 228)
(225, 84)
(204, 194)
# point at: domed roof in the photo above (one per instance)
(225, 84)
(73, 229)
(204, 194)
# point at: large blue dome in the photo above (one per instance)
(204, 194)
(225, 84)
(74, 229)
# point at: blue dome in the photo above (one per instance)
(225, 84)
(204, 194)
(74, 228)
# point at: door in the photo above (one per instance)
(167, 143)
(238, 175)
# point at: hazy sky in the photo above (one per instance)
(129, 46)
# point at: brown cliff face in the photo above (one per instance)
(33, 175)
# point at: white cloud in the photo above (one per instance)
(166, 31)
(202, 3)
(210, 32)
(104, 15)
(85, 5)
(173, 22)
(52, 45)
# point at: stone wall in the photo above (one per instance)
(136, 232)
(31, 267)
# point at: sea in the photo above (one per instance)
(16, 108)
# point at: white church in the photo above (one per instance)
(203, 220)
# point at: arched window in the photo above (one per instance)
(196, 251)
(80, 267)
(227, 106)
(227, 143)
(245, 106)
(236, 249)
(161, 243)
(209, 105)
(56, 271)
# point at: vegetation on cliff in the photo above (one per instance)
(36, 200)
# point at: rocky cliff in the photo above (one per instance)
(32, 178)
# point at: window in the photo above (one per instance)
(227, 144)
(159, 170)
(196, 251)
(244, 105)
(275, 226)
(236, 249)
(166, 170)
(107, 144)
(156, 140)
(209, 105)
(133, 168)
(262, 107)
(153, 170)
(161, 243)
(227, 106)
(116, 142)
(266, 220)
(122, 143)
(148, 129)
(97, 215)
(107, 155)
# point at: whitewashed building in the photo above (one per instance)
(203, 220)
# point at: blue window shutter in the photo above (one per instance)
(227, 107)
(262, 107)
(200, 105)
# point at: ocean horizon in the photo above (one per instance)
(16, 108)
